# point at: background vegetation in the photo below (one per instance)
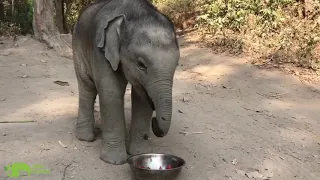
(277, 31)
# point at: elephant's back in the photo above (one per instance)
(85, 28)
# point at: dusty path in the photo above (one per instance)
(269, 122)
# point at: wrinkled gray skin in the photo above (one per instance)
(116, 42)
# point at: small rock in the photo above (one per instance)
(180, 111)
(24, 76)
(4, 134)
(240, 172)
(315, 156)
(23, 64)
(43, 61)
(267, 176)
(287, 69)
(234, 162)
(281, 157)
(185, 99)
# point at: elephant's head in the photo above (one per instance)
(146, 50)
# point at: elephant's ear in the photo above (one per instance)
(109, 41)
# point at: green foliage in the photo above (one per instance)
(233, 14)
(180, 11)
(17, 17)
(73, 9)
(278, 30)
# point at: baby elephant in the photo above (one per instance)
(116, 42)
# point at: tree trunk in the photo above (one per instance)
(12, 8)
(60, 18)
(45, 29)
(68, 4)
(43, 21)
(1, 11)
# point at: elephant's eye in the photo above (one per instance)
(142, 66)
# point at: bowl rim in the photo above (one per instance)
(144, 154)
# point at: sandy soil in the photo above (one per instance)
(250, 119)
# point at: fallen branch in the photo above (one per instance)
(188, 133)
(281, 94)
(65, 169)
(64, 146)
(18, 121)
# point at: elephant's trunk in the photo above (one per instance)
(162, 98)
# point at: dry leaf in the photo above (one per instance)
(225, 87)
(61, 83)
(254, 175)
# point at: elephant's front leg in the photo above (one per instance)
(141, 118)
(113, 123)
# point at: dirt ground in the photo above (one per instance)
(249, 119)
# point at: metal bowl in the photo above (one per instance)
(155, 166)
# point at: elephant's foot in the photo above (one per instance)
(139, 147)
(85, 134)
(115, 156)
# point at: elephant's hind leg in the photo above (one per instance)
(85, 123)
(87, 96)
